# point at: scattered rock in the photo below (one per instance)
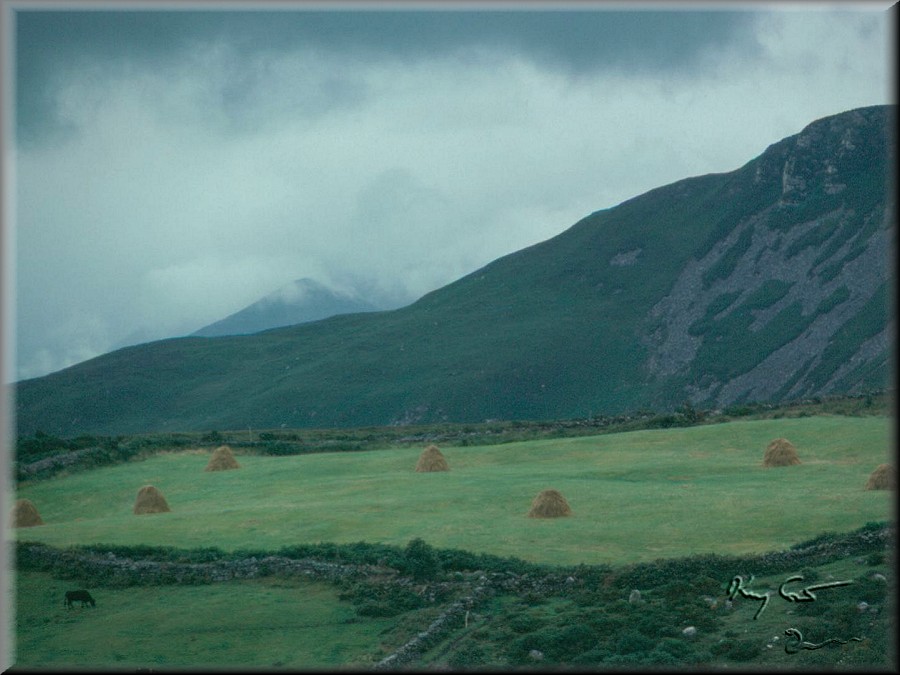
(689, 632)
(536, 655)
(634, 597)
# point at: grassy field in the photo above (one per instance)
(267, 623)
(635, 496)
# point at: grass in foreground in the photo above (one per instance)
(273, 622)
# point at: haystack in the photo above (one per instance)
(150, 500)
(432, 459)
(549, 504)
(781, 452)
(25, 514)
(884, 477)
(222, 459)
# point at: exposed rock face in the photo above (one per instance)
(807, 259)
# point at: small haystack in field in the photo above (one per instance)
(432, 459)
(222, 459)
(25, 514)
(150, 500)
(549, 504)
(884, 477)
(781, 452)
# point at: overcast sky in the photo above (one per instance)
(172, 167)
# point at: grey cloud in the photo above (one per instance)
(50, 45)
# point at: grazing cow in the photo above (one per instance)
(74, 596)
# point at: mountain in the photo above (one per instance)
(300, 301)
(767, 283)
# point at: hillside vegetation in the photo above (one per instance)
(769, 283)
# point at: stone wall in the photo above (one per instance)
(107, 569)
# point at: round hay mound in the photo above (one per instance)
(222, 459)
(781, 452)
(25, 514)
(432, 459)
(549, 504)
(150, 500)
(884, 477)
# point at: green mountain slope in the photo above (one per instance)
(767, 283)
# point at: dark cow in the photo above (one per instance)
(74, 596)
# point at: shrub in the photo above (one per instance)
(876, 558)
(470, 655)
(869, 590)
(736, 650)
(593, 656)
(679, 649)
(523, 623)
(624, 660)
(420, 560)
(378, 609)
(633, 642)
(738, 411)
(558, 644)
(281, 449)
(655, 624)
(372, 599)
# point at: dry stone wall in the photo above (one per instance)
(108, 569)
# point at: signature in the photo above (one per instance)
(794, 647)
(739, 585)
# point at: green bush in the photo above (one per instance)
(736, 650)
(593, 656)
(632, 642)
(420, 560)
(628, 660)
(523, 623)
(468, 656)
(655, 624)
(378, 609)
(869, 590)
(739, 410)
(281, 449)
(558, 644)
(876, 558)
(373, 599)
(661, 657)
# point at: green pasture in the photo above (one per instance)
(635, 496)
(289, 623)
